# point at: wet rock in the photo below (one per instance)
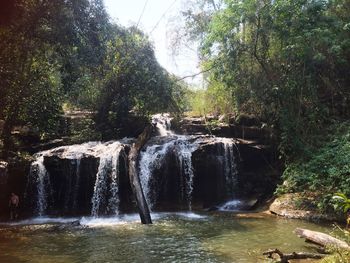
(289, 206)
(67, 226)
(3, 172)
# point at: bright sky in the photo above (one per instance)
(157, 21)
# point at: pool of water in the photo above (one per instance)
(174, 237)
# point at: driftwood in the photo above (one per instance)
(284, 258)
(134, 177)
(321, 238)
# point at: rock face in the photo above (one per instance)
(79, 179)
(12, 179)
(3, 184)
(286, 206)
(246, 128)
(176, 171)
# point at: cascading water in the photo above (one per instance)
(105, 198)
(230, 166)
(154, 156)
(184, 155)
(113, 202)
(166, 172)
(108, 168)
(151, 159)
(162, 122)
(77, 182)
(40, 176)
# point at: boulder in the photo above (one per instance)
(288, 205)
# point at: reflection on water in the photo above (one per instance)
(174, 237)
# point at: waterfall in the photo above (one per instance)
(76, 188)
(151, 159)
(113, 202)
(40, 176)
(184, 155)
(105, 198)
(230, 166)
(77, 183)
(108, 166)
(163, 123)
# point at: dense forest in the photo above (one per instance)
(67, 54)
(285, 62)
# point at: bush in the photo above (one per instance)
(323, 169)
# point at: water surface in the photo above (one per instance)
(174, 237)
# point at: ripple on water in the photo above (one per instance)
(174, 237)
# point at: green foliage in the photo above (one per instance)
(283, 61)
(216, 99)
(341, 202)
(134, 82)
(287, 63)
(325, 168)
(56, 52)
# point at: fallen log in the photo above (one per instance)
(134, 176)
(321, 238)
(284, 258)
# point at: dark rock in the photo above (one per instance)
(286, 206)
(48, 145)
(247, 120)
(244, 130)
(256, 177)
(3, 186)
(26, 134)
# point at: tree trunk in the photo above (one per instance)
(134, 176)
(284, 258)
(321, 238)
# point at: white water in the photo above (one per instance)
(108, 166)
(183, 146)
(163, 123)
(232, 205)
(150, 159)
(105, 199)
(104, 221)
(40, 176)
(230, 166)
(113, 202)
(184, 150)
(108, 153)
(154, 156)
(135, 218)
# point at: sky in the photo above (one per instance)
(157, 18)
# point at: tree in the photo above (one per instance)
(134, 83)
(284, 61)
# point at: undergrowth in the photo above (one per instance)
(324, 169)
